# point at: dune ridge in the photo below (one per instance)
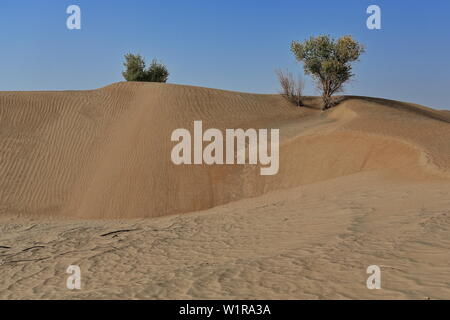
(105, 153)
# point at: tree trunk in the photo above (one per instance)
(327, 102)
(326, 94)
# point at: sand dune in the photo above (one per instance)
(364, 183)
(106, 153)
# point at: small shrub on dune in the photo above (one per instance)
(135, 70)
(290, 88)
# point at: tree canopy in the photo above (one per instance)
(328, 61)
(135, 70)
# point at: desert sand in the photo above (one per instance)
(86, 179)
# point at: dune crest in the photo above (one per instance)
(106, 153)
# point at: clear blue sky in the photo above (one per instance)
(226, 44)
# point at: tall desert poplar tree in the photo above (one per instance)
(328, 61)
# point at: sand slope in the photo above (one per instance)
(106, 153)
(366, 183)
(310, 242)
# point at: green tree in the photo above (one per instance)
(135, 70)
(328, 61)
(134, 67)
(157, 72)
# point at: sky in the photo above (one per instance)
(226, 44)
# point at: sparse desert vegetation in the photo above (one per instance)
(135, 69)
(329, 62)
(291, 89)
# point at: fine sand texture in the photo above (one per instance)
(86, 179)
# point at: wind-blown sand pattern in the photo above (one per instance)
(82, 172)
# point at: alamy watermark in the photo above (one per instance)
(374, 20)
(73, 22)
(74, 280)
(233, 150)
(374, 280)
